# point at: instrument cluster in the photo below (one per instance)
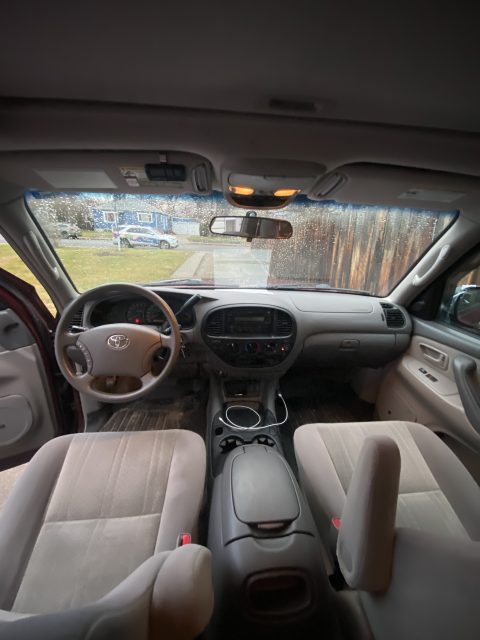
(140, 311)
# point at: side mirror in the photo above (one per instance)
(251, 227)
(466, 307)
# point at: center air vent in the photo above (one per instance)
(393, 316)
(216, 323)
(283, 324)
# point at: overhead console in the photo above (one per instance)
(268, 184)
(250, 336)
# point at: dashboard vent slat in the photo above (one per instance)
(393, 316)
(283, 324)
(216, 324)
(77, 318)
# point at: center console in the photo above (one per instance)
(269, 577)
(250, 336)
(230, 400)
(249, 345)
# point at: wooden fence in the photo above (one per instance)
(354, 247)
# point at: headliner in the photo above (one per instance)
(413, 64)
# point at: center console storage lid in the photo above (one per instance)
(258, 496)
(262, 489)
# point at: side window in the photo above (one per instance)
(11, 262)
(460, 306)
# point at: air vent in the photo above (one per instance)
(216, 324)
(283, 324)
(394, 317)
(77, 319)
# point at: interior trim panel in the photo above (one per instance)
(449, 336)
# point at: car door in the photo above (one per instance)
(437, 381)
(149, 238)
(136, 236)
(35, 402)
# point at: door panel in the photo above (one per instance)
(437, 381)
(421, 386)
(443, 334)
(27, 415)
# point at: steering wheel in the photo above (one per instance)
(113, 350)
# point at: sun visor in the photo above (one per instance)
(396, 186)
(125, 172)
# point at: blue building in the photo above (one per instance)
(110, 219)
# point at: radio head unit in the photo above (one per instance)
(250, 336)
(249, 321)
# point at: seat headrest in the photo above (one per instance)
(365, 540)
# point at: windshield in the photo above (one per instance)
(147, 239)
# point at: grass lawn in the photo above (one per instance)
(89, 266)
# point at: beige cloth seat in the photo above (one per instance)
(410, 525)
(88, 539)
(436, 493)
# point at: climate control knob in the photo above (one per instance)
(251, 347)
(233, 347)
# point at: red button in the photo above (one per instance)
(185, 538)
(336, 523)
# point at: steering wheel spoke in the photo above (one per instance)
(147, 380)
(169, 341)
(69, 339)
(84, 382)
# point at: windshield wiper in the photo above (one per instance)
(317, 287)
(191, 282)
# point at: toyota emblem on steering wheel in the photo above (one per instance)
(118, 341)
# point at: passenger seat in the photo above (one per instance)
(409, 524)
(436, 493)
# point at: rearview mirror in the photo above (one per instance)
(251, 227)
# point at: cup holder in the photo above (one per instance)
(265, 440)
(230, 442)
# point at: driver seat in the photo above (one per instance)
(89, 534)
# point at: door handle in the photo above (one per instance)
(464, 369)
(434, 355)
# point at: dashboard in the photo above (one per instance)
(248, 331)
